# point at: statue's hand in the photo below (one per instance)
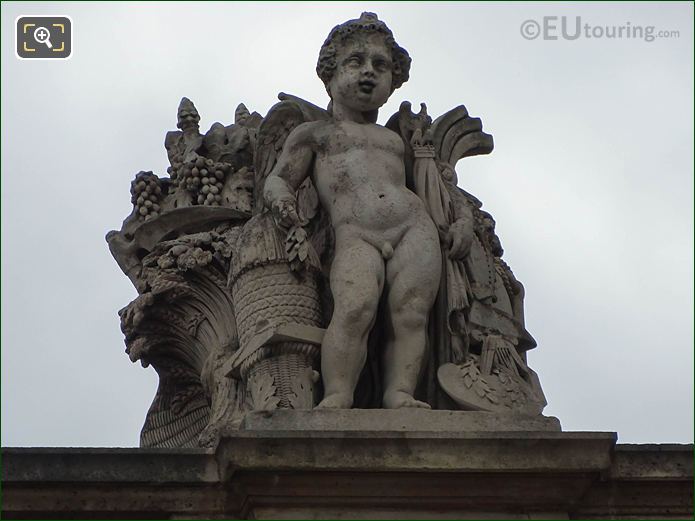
(460, 238)
(285, 212)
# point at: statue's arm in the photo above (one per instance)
(292, 168)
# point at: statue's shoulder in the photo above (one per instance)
(388, 133)
(312, 127)
(172, 137)
(311, 132)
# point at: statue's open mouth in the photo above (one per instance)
(366, 86)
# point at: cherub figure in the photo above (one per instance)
(182, 145)
(386, 244)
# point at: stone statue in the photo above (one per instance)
(184, 144)
(311, 258)
(385, 243)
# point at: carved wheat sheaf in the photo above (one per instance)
(169, 430)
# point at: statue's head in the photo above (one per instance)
(365, 51)
(241, 114)
(187, 115)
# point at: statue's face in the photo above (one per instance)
(362, 79)
(188, 119)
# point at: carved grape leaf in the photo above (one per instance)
(303, 251)
(473, 379)
(303, 390)
(307, 199)
(263, 393)
(290, 249)
(467, 380)
(485, 391)
(470, 373)
(297, 247)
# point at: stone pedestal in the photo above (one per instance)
(371, 464)
(395, 420)
(410, 464)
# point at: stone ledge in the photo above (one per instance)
(417, 451)
(395, 420)
(651, 461)
(94, 465)
(468, 476)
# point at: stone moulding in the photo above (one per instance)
(321, 474)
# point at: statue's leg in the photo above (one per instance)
(357, 279)
(412, 282)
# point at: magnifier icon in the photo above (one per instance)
(43, 35)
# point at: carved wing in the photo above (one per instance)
(456, 135)
(282, 118)
(311, 112)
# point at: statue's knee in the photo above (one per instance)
(410, 317)
(358, 316)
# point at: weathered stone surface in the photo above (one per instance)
(652, 461)
(353, 235)
(359, 175)
(398, 420)
(647, 481)
(51, 465)
(417, 451)
(512, 476)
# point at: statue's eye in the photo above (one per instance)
(354, 60)
(381, 65)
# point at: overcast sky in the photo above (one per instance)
(591, 184)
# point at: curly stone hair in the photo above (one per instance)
(366, 23)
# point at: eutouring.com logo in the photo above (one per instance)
(574, 28)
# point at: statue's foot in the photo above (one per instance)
(336, 401)
(398, 399)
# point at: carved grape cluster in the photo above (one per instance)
(204, 178)
(173, 170)
(146, 192)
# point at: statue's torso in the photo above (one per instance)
(360, 178)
